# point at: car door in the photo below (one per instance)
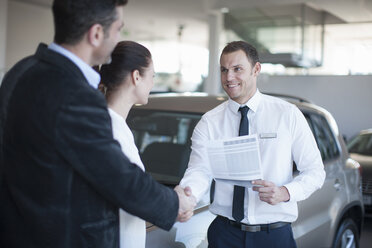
(319, 212)
(163, 139)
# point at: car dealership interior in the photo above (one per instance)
(318, 50)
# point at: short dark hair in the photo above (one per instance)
(249, 50)
(127, 57)
(73, 18)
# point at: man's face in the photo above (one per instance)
(238, 78)
(112, 37)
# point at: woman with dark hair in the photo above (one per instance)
(126, 81)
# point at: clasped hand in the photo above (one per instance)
(187, 203)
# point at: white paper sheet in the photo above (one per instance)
(235, 159)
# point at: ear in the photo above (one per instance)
(136, 77)
(257, 69)
(96, 35)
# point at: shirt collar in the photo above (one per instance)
(89, 73)
(116, 115)
(252, 103)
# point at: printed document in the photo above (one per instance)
(236, 160)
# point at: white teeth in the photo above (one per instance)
(231, 85)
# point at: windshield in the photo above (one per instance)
(361, 144)
(163, 141)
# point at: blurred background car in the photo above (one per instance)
(331, 217)
(360, 149)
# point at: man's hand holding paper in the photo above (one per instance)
(269, 192)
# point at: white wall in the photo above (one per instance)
(3, 28)
(348, 98)
(27, 26)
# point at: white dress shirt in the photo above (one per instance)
(132, 228)
(90, 74)
(268, 117)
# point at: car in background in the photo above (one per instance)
(330, 217)
(360, 149)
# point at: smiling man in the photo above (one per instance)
(258, 216)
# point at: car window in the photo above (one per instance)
(163, 139)
(308, 119)
(361, 144)
(324, 137)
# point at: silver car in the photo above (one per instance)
(360, 148)
(331, 217)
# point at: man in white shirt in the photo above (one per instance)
(257, 216)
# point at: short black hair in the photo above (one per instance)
(73, 18)
(249, 50)
(127, 57)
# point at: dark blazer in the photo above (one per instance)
(63, 175)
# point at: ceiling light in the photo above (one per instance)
(224, 10)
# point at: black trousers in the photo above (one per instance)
(222, 234)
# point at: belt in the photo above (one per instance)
(255, 228)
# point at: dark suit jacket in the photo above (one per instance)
(63, 175)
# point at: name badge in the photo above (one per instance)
(267, 135)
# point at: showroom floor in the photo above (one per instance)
(366, 238)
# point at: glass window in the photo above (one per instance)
(361, 144)
(324, 137)
(163, 139)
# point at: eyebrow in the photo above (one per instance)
(234, 66)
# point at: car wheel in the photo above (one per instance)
(347, 235)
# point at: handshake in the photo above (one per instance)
(187, 203)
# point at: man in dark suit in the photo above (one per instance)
(63, 175)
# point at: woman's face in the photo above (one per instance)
(146, 82)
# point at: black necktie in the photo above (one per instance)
(238, 200)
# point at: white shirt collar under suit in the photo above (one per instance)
(90, 74)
